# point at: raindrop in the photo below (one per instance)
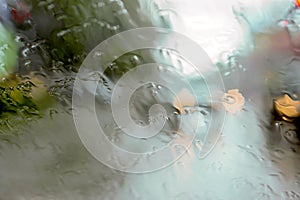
(178, 149)
(291, 195)
(292, 137)
(135, 60)
(229, 99)
(227, 73)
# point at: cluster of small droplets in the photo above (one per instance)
(229, 63)
(17, 99)
(62, 90)
(79, 24)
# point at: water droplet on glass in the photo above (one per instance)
(229, 99)
(292, 137)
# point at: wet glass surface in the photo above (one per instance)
(254, 46)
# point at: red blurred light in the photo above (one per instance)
(21, 13)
